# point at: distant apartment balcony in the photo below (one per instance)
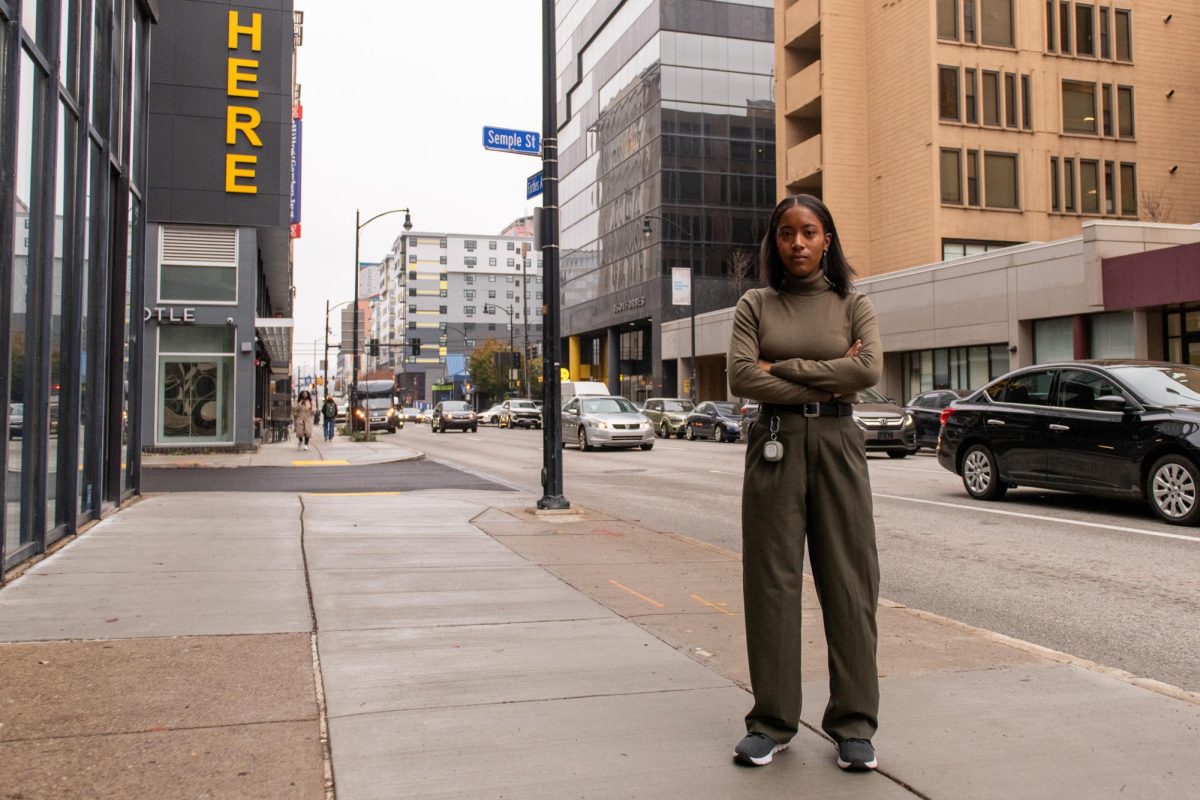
(804, 164)
(803, 99)
(801, 19)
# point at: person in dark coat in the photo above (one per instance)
(803, 346)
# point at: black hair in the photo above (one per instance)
(304, 392)
(837, 270)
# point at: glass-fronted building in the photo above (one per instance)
(73, 90)
(217, 307)
(667, 144)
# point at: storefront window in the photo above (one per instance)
(1111, 335)
(1053, 340)
(62, 227)
(195, 382)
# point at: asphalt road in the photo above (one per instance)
(1098, 579)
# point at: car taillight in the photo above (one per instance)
(945, 415)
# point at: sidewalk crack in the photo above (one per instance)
(318, 677)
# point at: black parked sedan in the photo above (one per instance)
(1126, 429)
(926, 412)
(720, 421)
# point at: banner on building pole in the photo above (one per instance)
(681, 286)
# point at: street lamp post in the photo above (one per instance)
(329, 308)
(646, 231)
(358, 226)
(509, 309)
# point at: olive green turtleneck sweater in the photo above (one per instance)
(805, 329)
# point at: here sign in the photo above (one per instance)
(527, 143)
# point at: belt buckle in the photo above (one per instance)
(812, 409)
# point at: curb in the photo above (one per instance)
(417, 455)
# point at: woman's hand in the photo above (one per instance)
(765, 366)
(855, 349)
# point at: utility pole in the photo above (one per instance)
(552, 474)
(525, 317)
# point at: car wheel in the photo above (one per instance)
(691, 434)
(897, 453)
(648, 446)
(1172, 488)
(719, 435)
(664, 431)
(980, 475)
(583, 442)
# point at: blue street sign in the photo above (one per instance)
(527, 143)
(533, 186)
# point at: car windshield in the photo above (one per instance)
(375, 403)
(522, 404)
(677, 405)
(1174, 385)
(871, 396)
(457, 405)
(608, 405)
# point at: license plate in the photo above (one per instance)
(885, 436)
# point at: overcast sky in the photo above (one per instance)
(395, 95)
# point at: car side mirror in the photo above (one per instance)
(1111, 402)
(574, 412)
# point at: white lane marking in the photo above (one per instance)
(1041, 517)
(722, 472)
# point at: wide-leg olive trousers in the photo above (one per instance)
(820, 490)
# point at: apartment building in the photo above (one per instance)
(451, 292)
(953, 127)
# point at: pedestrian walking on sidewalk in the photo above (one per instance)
(803, 346)
(302, 419)
(329, 415)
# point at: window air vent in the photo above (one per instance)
(198, 245)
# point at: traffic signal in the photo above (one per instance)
(516, 360)
(373, 347)
(415, 344)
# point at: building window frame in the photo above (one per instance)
(989, 179)
(950, 170)
(949, 105)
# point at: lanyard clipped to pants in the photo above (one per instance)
(773, 448)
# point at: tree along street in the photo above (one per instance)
(1102, 580)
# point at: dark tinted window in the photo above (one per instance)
(1080, 388)
(1029, 388)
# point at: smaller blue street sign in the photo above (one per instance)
(527, 143)
(533, 186)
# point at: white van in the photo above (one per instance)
(572, 389)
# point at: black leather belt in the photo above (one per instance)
(833, 409)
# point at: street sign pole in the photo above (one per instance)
(552, 477)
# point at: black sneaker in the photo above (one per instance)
(857, 755)
(756, 750)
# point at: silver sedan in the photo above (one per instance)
(605, 422)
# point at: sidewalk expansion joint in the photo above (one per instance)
(318, 678)
(157, 729)
(612, 615)
(905, 785)
(723, 684)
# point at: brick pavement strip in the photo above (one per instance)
(211, 716)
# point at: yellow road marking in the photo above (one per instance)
(636, 594)
(718, 606)
(355, 494)
(330, 463)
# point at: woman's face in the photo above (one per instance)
(801, 241)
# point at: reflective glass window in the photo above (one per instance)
(1079, 107)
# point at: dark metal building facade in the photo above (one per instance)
(666, 114)
(73, 87)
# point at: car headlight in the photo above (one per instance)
(646, 426)
(858, 421)
(391, 412)
(598, 423)
(358, 412)
(908, 421)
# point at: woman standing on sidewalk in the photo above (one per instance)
(329, 416)
(803, 346)
(303, 413)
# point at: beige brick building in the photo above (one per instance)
(941, 128)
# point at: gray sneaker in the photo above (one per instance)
(756, 750)
(856, 755)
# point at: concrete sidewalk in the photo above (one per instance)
(338, 452)
(438, 644)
